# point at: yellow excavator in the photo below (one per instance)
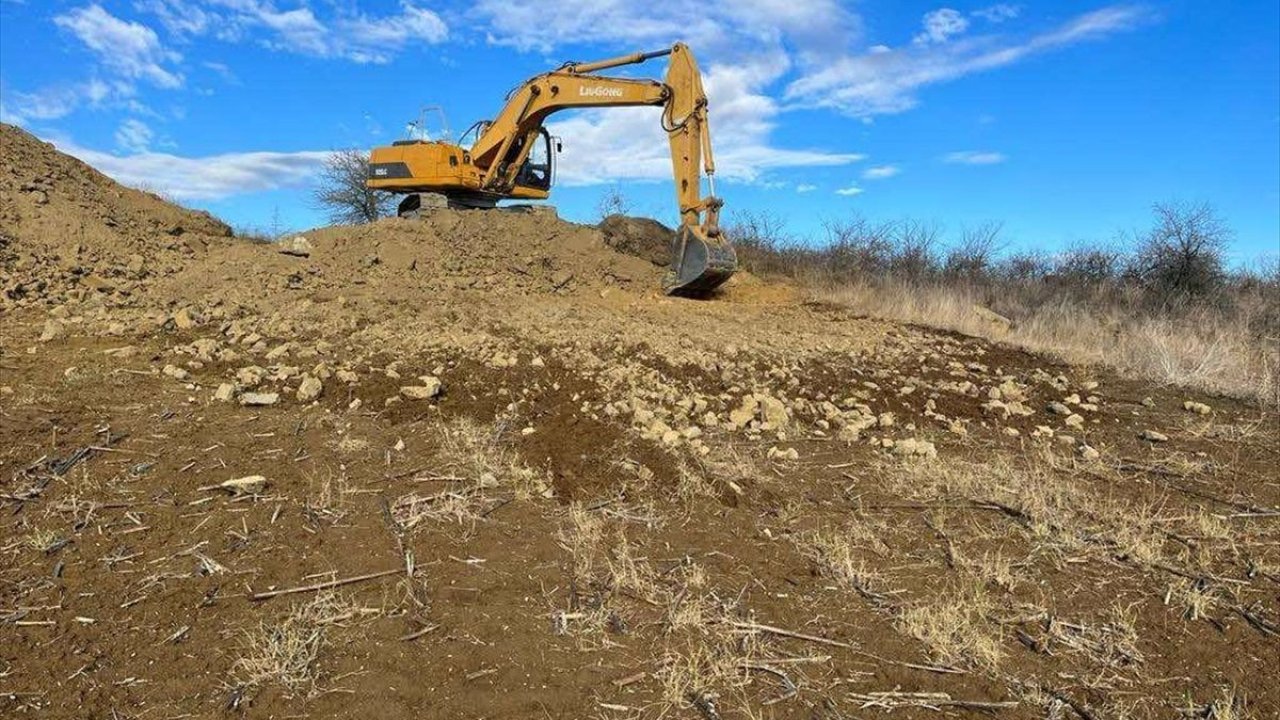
(511, 156)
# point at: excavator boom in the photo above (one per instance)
(512, 158)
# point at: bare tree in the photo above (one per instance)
(1181, 257)
(972, 258)
(341, 191)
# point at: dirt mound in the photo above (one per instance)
(642, 237)
(67, 228)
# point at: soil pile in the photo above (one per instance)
(66, 229)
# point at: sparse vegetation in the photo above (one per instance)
(1162, 305)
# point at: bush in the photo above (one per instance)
(1181, 258)
(341, 191)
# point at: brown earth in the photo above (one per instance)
(618, 505)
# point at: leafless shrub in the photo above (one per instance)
(286, 652)
(340, 190)
(613, 202)
(1181, 257)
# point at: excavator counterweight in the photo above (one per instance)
(512, 156)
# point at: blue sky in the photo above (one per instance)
(1063, 120)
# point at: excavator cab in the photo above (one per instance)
(537, 171)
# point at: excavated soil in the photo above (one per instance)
(499, 475)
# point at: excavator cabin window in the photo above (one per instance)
(538, 167)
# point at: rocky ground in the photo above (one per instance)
(476, 466)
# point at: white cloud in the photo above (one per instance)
(881, 172)
(850, 191)
(134, 136)
(205, 178)
(349, 35)
(941, 25)
(973, 157)
(998, 13)
(885, 80)
(805, 188)
(130, 49)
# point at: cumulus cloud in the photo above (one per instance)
(973, 157)
(881, 172)
(850, 191)
(130, 49)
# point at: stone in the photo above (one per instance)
(1057, 408)
(1074, 420)
(175, 372)
(226, 392)
(251, 377)
(259, 399)
(1153, 436)
(431, 387)
(774, 412)
(1198, 408)
(1088, 453)
(186, 318)
(742, 415)
(53, 330)
(297, 246)
(915, 448)
(309, 389)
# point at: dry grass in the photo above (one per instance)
(957, 626)
(1203, 351)
(287, 652)
(476, 461)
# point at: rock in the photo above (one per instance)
(309, 389)
(774, 412)
(995, 320)
(297, 246)
(915, 448)
(1198, 408)
(1148, 402)
(53, 330)
(741, 416)
(1153, 436)
(430, 388)
(187, 318)
(1089, 453)
(776, 453)
(175, 372)
(1089, 386)
(561, 279)
(226, 392)
(1058, 408)
(251, 377)
(347, 376)
(1074, 420)
(259, 399)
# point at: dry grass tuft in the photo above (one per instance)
(957, 627)
(287, 652)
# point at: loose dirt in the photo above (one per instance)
(502, 476)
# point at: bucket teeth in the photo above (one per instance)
(698, 264)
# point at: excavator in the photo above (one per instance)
(511, 156)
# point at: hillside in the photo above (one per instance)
(477, 466)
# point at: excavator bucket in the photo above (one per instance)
(699, 264)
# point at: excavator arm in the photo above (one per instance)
(701, 258)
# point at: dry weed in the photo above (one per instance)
(286, 653)
(957, 626)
